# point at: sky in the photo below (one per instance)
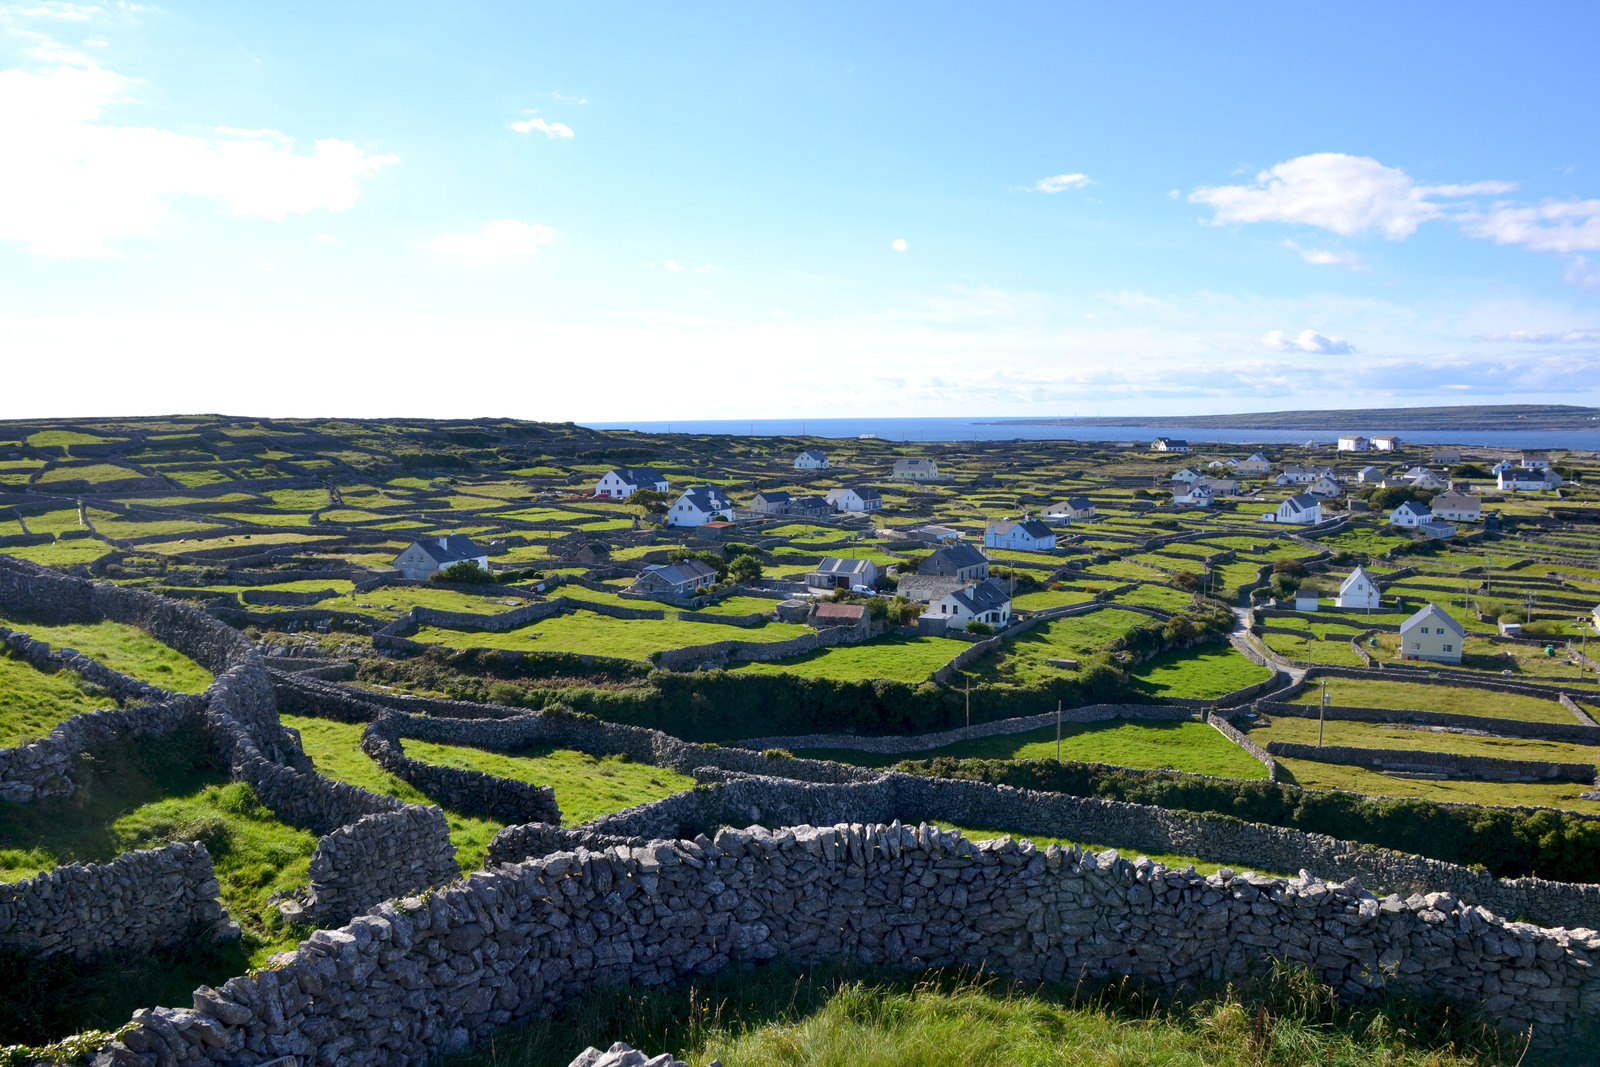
(658, 211)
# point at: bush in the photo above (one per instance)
(977, 626)
(527, 574)
(711, 558)
(465, 572)
(745, 569)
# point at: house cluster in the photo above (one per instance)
(1419, 517)
(1190, 488)
(954, 585)
(1532, 475)
(1319, 481)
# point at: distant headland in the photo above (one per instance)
(1497, 417)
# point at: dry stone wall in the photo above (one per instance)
(1546, 731)
(139, 901)
(417, 978)
(468, 791)
(376, 858)
(1448, 764)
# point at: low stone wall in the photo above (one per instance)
(286, 597)
(377, 858)
(891, 746)
(752, 619)
(43, 768)
(39, 653)
(1433, 674)
(431, 976)
(467, 791)
(1448, 764)
(718, 653)
(1226, 729)
(1544, 731)
(138, 902)
(1577, 712)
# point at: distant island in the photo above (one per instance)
(1465, 417)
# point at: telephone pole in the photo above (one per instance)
(969, 705)
(1058, 731)
(1322, 712)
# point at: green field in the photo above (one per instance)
(33, 702)
(1181, 746)
(1203, 672)
(122, 648)
(91, 472)
(1312, 775)
(601, 635)
(1311, 649)
(1361, 693)
(1375, 735)
(1022, 659)
(1493, 657)
(1044, 599)
(901, 659)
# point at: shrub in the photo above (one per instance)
(977, 626)
(466, 572)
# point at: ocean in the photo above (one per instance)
(995, 429)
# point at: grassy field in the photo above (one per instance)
(122, 648)
(1051, 598)
(602, 635)
(1203, 672)
(1412, 696)
(903, 659)
(1313, 775)
(850, 1016)
(1022, 659)
(1528, 661)
(1375, 735)
(33, 702)
(1313, 649)
(1160, 597)
(1181, 746)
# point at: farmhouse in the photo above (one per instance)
(771, 502)
(915, 470)
(835, 572)
(1447, 457)
(1073, 508)
(1294, 474)
(1386, 443)
(677, 579)
(623, 482)
(1527, 479)
(1359, 590)
(1222, 486)
(832, 616)
(1193, 496)
(809, 507)
(927, 588)
(1187, 476)
(811, 459)
(1411, 514)
(859, 498)
(1256, 464)
(1325, 486)
(956, 561)
(425, 558)
(1423, 478)
(699, 505)
(986, 601)
(1534, 461)
(937, 534)
(1302, 509)
(1353, 442)
(1030, 535)
(1169, 444)
(1369, 475)
(1432, 634)
(1457, 507)
(1435, 528)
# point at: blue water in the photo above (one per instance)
(960, 429)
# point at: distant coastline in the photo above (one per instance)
(1505, 418)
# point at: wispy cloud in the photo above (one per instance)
(501, 239)
(1550, 226)
(1060, 183)
(674, 267)
(1309, 341)
(898, 244)
(1547, 337)
(1324, 257)
(553, 130)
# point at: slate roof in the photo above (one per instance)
(815, 454)
(1435, 614)
(929, 587)
(772, 496)
(958, 556)
(707, 498)
(690, 571)
(982, 596)
(1302, 502)
(1032, 527)
(637, 476)
(456, 548)
(837, 565)
(1356, 575)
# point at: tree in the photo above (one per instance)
(648, 501)
(745, 569)
(465, 571)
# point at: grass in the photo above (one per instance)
(1160, 597)
(33, 702)
(1022, 659)
(195, 479)
(92, 472)
(1180, 746)
(1312, 775)
(1203, 672)
(901, 659)
(122, 648)
(52, 438)
(1313, 649)
(1527, 661)
(1415, 696)
(601, 635)
(830, 1016)
(62, 553)
(1051, 598)
(1374, 735)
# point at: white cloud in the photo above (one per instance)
(673, 267)
(72, 182)
(501, 239)
(1582, 273)
(898, 244)
(327, 238)
(1309, 341)
(1061, 183)
(1547, 337)
(1552, 226)
(54, 9)
(556, 130)
(1324, 257)
(1334, 191)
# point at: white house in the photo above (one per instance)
(1198, 495)
(811, 460)
(1353, 442)
(1306, 599)
(835, 572)
(1503, 465)
(1029, 535)
(425, 558)
(987, 601)
(1432, 634)
(1325, 486)
(1411, 514)
(858, 498)
(1075, 508)
(1359, 590)
(1169, 444)
(1369, 475)
(1256, 464)
(682, 579)
(1447, 457)
(937, 534)
(623, 482)
(915, 470)
(1294, 474)
(1457, 507)
(1187, 476)
(1303, 510)
(955, 561)
(1423, 478)
(699, 505)
(1435, 528)
(1386, 443)
(1527, 480)
(1535, 461)
(1222, 486)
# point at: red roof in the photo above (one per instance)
(852, 612)
(719, 525)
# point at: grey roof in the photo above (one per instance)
(1302, 502)
(1456, 500)
(456, 548)
(687, 572)
(959, 556)
(638, 475)
(810, 503)
(772, 496)
(1353, 576)
(707, 498)
(1438, 615)
(837, 565)
(1032, 527)
(911, 464)
(1414, 508)
(982, 596)
(814, 453)
(928, 587)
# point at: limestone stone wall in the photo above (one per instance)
(1547, 731)
(417, 978)
(139, 901)
(378, 857)
(1226, 729)
(1451, 764)
(468, 791)
(41, 655)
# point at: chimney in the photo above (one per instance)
(444, 541)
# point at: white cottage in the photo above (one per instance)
(1198, 495)
(1030, 536)
(1076, 508)
(699, 505)
(1410, 514)
(1301, 510)
(811, 459)
(623, 482)
(425, 558)
(859, 498)
(916, 470)
(1457, 507)
(1359, 590)
(1432, 634)
(987, 601)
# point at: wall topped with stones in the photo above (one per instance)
(139, 901)
(1547, 731)
(418, 978)
(467, 791)
(120, 686)
(376, 858)
(1449, 764)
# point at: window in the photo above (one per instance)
(1448, 648)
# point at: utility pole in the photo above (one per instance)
(1058, 731)
(969, 705)
(1322, 712)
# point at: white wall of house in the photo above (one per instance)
(1359, 594)
(1430, 641)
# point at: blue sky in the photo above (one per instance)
(653, 212)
